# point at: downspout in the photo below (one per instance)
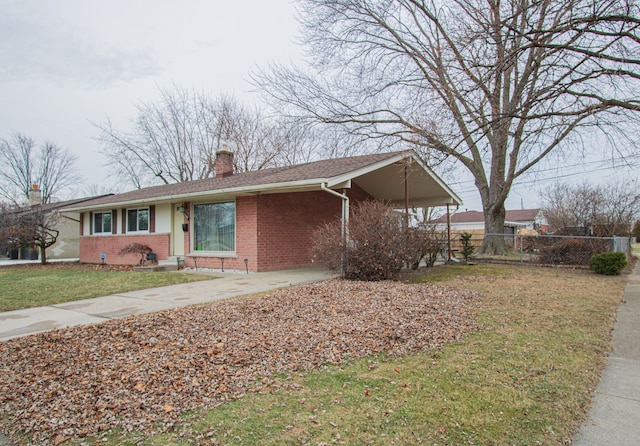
(406, 198)
(345, 222)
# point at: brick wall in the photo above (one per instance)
(92, 246)
(285, 227)
(286, 224)
(273, 231)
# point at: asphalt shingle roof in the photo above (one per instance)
(477, 216)
(308, 171)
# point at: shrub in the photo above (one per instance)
(378, 247)
(608, 263)
(423, 243)
(570, 251)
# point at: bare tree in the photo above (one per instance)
(571, 209)
(496, 85)
(176, 138)
(620, 208)
(28, 226)
(585, 209)
(23, 163)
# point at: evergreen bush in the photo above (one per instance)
(608, 263)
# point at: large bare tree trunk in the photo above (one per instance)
(493, 243)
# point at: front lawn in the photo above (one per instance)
(28, 286)
(515, 365)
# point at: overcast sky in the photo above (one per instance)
(67, 63)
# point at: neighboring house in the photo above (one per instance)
(261, 220)
(532, 219)
(67, 245)
(522, 221)
(473, 221)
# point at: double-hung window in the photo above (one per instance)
(137, 220)
(215, 227)
(102, 223)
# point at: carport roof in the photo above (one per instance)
(381, 175)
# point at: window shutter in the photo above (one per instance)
(114, 221)
(90, 223)
(81, 224)
(152, 218)
(124, 221)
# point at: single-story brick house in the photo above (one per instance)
(263, 220)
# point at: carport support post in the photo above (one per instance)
(448, 234)
(345, 223)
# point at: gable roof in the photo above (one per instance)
(381, 175)
(522, 215)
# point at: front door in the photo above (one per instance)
(177, 233)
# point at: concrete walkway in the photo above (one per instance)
(614, 418)
(33, 320)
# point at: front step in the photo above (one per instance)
(153, 268)
(170, 264)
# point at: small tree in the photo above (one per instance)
(467, 246)
(136, 248)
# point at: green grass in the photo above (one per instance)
(26, 287)
(524, 378)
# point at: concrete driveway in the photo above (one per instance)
(89, 311)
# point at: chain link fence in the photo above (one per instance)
(543, 249)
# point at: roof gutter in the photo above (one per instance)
(274, 188)
(345, 223)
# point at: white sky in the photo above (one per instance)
(67, 63)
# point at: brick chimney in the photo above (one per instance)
(224, 162)
(35, 195)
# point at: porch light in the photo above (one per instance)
(183, 210)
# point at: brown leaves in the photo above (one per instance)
(134, 372)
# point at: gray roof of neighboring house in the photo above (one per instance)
(518, 215)
(67, 203)
(296, 177)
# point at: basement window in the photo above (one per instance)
(102, 223)
(215, 227)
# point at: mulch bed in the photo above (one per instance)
(142, 372)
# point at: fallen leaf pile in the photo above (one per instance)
(142, 372)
